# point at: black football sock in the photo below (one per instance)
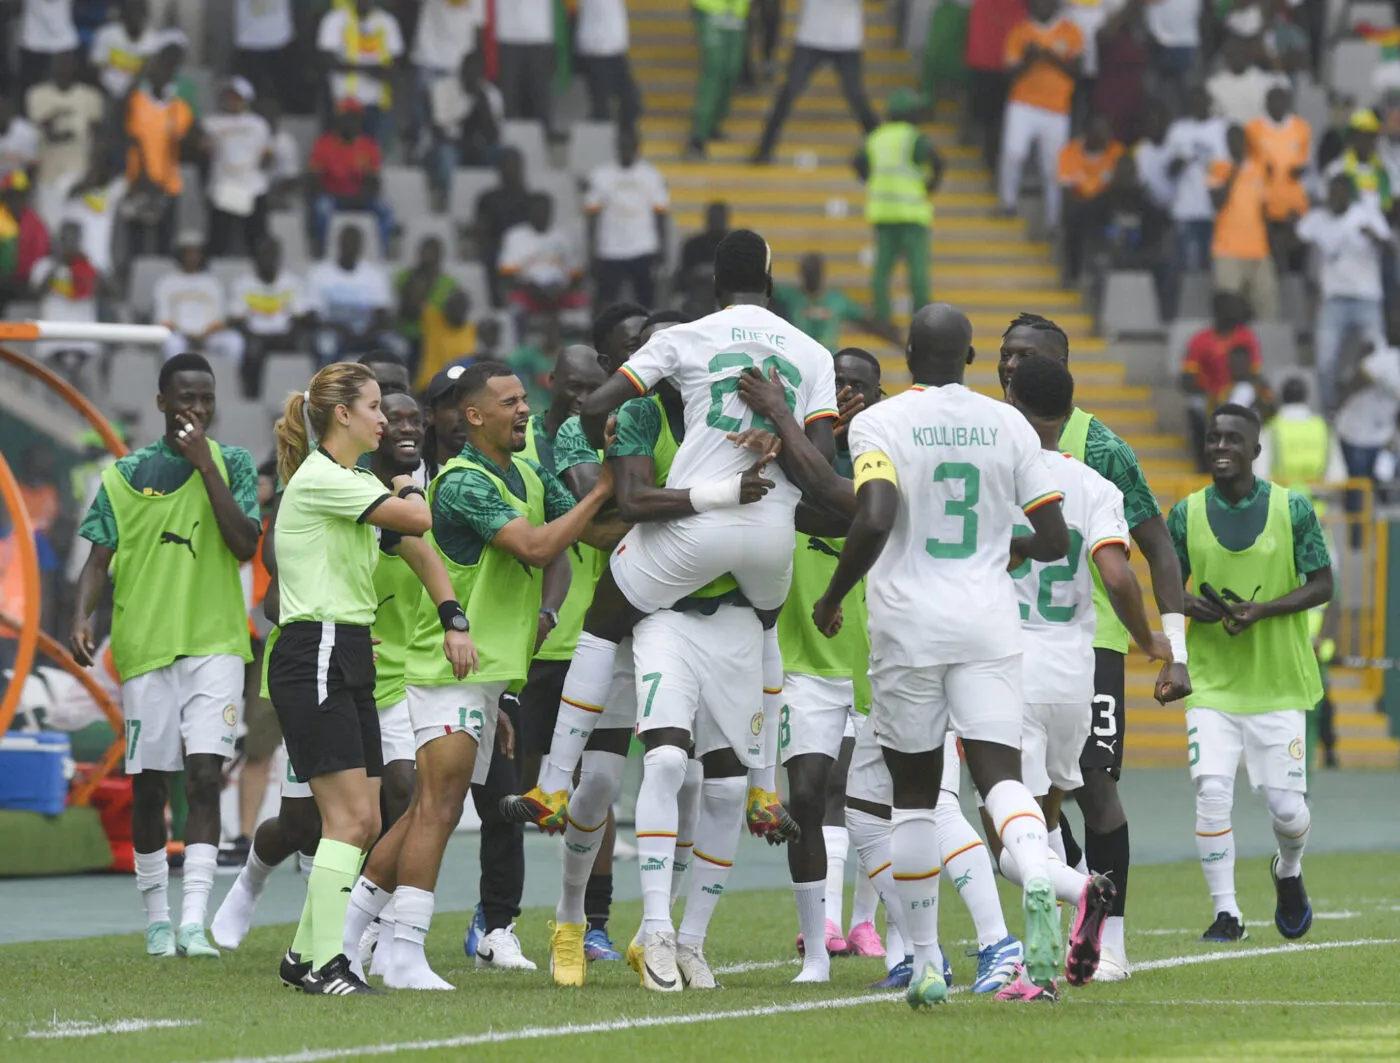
(1108, 855)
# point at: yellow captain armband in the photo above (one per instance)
(874, 465)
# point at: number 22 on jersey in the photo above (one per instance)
(788, 374)
(1062, 572)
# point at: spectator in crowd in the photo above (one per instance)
(1242, 260)
(264, 42)
(24, 239)
(360, 47)
(190, 303)
(353, 303)
(419, 286)
(1333, 141)
(345, 165)
(526, 59)
(720, 28)
(67, 114)
(158, 126)
(1366, 421)
(1136, 233)
(601, 42)
(823, 312)
(20, 143)
(989, 24)
(121, 46)
(533, 361)
(540, 266)
(1360, 163)
(67, 286)
(1205, 369)
(698, 251)
(943, 64)
(1086, 167)
(1298, 437)
(268, 305)
(446, 33)
(182, 84)
(1194, 143)
(1124, 53)
(240, 152)
(92, 199)
(1043, 55)
(1282, 140)
(828, 31)
(1152, 156)
(284, 171)
(1240, 88)
(448, 335)
(46, 28)
(467, 112)
(1350, 235)
(765, 24)
(498, 211)
(1388, 144)
(627, 204)
(1175, 26)
(1247, 384)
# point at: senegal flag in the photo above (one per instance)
(1388, 39)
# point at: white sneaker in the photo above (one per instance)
(1113, 967)
(694, 968)
(659, 962)
(501, 949)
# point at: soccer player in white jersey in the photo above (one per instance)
(942, 476)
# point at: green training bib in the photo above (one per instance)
(397, 590)
(1109, 632)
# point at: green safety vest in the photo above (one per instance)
(1109, 632)
(728, 9)
(1271, 666)
(500, 594)
(585, 565)
(176, 590)
(895, 193)
(1300, 452)
(397, 589)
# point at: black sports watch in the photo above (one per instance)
(453, 618)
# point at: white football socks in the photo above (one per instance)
(366, 902)
(716, 843)
(235, 913)
(969, 868)
(837, 843)
(408, 967)
(153, 880)
(1288, 810)
(201, 862)
(811, 918)
(599, 781)
(1021, 824)
(1215, 841)
(584, 697)
(914, 849)
(663, 775)
(765, 777)
(866, 896)
(871, 836)
(688, 803)
(1068, 883)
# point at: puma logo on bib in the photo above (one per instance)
(180, 540)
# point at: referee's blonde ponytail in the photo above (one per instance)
(307, 414)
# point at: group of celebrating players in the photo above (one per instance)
(738, 549)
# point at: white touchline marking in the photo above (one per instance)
(1245, 1003)
(531, 1033)
(1317, 916)
(754, 965)
(68, 1028)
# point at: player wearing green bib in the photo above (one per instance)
(173, 522)
(1106, 845)
(1260, 549)
(501, 525)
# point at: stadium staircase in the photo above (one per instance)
(810, 200)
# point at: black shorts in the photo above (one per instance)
(539, 705)
(321, 680)
(1103, 751)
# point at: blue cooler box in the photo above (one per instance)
(34, 770)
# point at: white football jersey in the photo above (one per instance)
(967, 466)
(704, 359)
(1057, 600)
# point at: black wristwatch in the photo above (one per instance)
(411, 489)
(452, 617)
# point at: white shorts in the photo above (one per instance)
(658, 564)
(620, 710)
(1052, 741)
(816, 712)
(291, 786)
(465, 708)
(704, 675)
(190, 706)
(395, 739)
(914, 708)
(1273, 745)
(869, 778)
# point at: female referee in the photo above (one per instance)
(321, 672)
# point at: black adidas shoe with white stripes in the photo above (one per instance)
(336, 979)
(293, 970)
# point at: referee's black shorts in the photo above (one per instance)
(321, 679)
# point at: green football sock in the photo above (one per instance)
(301, 943)
(328, 895)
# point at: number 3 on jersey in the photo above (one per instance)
(959, 508)
(717, 418)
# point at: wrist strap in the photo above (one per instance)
(448, 611)
(411, 489)
(1174, 627)
(718, 494)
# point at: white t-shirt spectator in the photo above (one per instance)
(627, 203)
(447, 31)
(263, 25)
(118, 58)
(96, 212)
(47, 26)
(286, 157)
(348, 297)
(1175, 23)
(1198, 144)
(72, 115)
(1090, 16)
(238, 143)
(602, 27)
(353, 39)
(542, 258)
(190, 303)
(525, 22)
(1367, 419)
(19, 146)
(267, 309)
(1153, 161)
(1349, 262)
(451, 104)
(1239, 98)
(831, 25)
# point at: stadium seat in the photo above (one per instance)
(405, 187)
(1352, 64)
(285, 372)
(1293, 300)
(591, 144)
(145, 271)
(368, 224)
(471, 278)
(467, 187)
(228, 269)
(527, 137)
(1310, 101)
(1376, 13)
(1277, 344)
(417, 228)
(192, 212)
(1197, 288)
(1178, 336)
(133, 380)
(289, 227)
(1129, 304)
(562, 187)
(304, 130)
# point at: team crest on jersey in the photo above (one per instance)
(231, 715)
(756, 724)
(1295, 749)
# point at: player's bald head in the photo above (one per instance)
(579, 361)
(940, 342)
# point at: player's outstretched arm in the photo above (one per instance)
(877, 505)
(1155, 542)
(593, 415)
(407, 514)
(539, 544)
(1125, 594)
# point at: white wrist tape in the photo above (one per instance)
(718, 494)
(1174, 627)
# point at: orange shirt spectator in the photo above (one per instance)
(1085, 172)
(1240, 231)
(1283, 147)
(1043, 83)
(157, 126)
(1208, 360)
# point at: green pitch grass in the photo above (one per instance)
(1262, 1000)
